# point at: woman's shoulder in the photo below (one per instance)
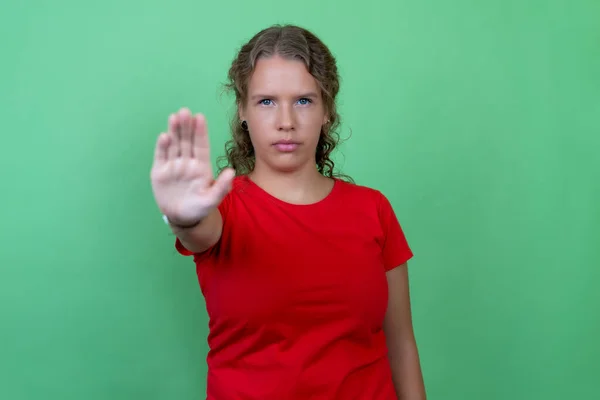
(359, 191)
(362, 197)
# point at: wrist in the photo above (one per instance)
(180, 225)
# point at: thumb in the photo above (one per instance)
(222, 185)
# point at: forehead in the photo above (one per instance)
(277, 75)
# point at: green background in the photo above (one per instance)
(480, 120)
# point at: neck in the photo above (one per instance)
(303, 186)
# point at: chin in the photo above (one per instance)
(287, 165)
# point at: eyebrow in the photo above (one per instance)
(266, 96)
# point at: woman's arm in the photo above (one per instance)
(402, 346)
(201, 236)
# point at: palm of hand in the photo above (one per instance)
(182, 179)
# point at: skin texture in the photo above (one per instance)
(183, 183)
(284, 103)
(402, 346)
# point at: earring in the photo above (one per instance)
(244, 125)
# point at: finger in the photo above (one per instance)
(162, 148)
(222, 185)
(173, 151)
(201, 146)
(186, 132)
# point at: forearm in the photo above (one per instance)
(201, 236)
(406, 370)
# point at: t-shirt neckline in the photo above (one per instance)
(263, 193)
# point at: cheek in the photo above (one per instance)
(261, 120)
(260, 124)
(258, 140)
(310, 119)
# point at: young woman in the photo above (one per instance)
(304, 272)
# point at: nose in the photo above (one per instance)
(285, 119)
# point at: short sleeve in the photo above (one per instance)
(223, 209)
(395, 248)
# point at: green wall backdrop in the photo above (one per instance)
(479, 120)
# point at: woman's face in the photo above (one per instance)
(285, 113)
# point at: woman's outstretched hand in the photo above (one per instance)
(182, 178)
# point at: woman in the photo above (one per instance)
(304, 272)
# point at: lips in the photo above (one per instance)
(286, 146)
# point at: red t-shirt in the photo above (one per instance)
(296, 295)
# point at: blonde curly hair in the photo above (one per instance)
(291, 42)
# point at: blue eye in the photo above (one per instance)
(265, 102)
(304, 101)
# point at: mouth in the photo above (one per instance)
(286, 146)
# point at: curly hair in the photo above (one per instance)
(292, 42)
